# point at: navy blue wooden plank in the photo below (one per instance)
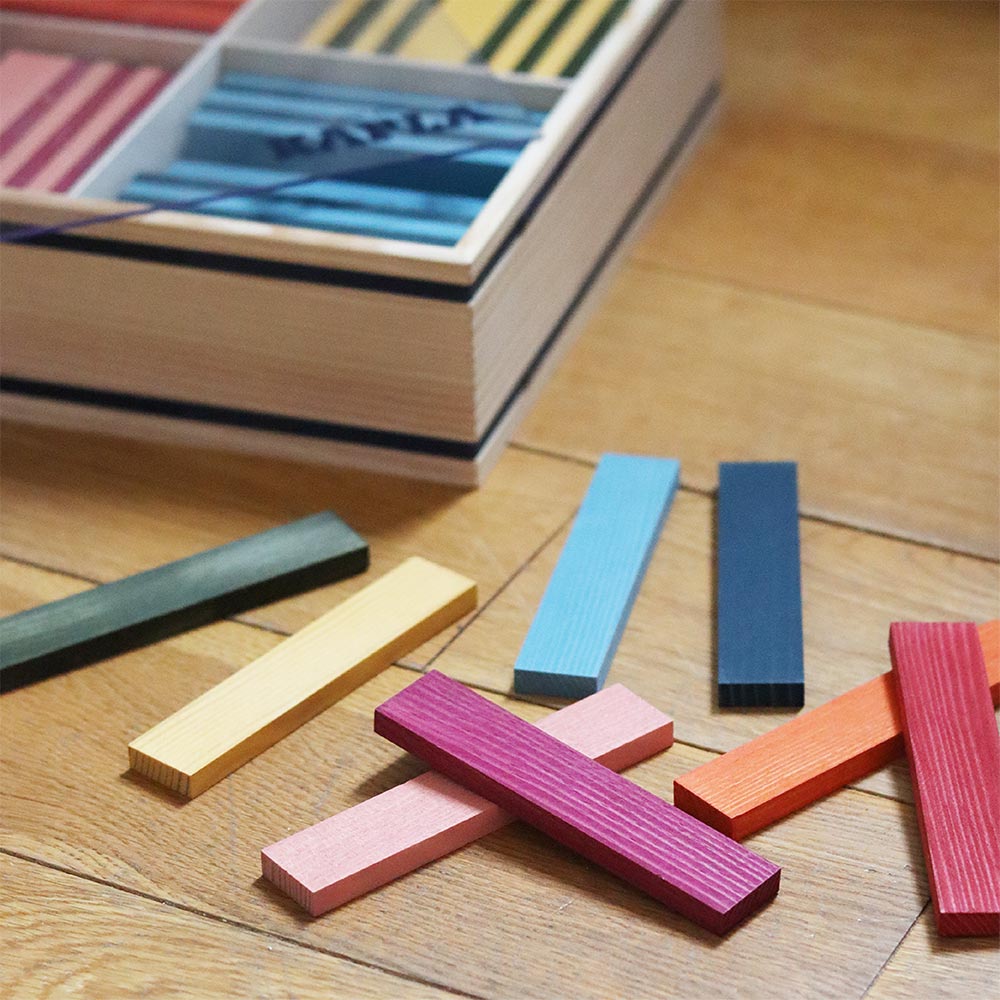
(574, 635)
(759, 588)
(181, 595)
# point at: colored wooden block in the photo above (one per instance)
(287, 212)
(61, 118)
(25, 80)
(268, 699)
(400, 201)
(371, 844)
(72, 156)
(574, 635)
(190, 15)
(584, 19)
(809, 757)
(953, 748)
(759, 586)
(608, 819)
(181, 595)
(513, 48)
(382, 99)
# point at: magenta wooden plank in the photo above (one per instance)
(611, 821)
(953, 748)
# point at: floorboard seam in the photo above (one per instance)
(238, 924)
(899, 944)
(501, 589)
(804, 515)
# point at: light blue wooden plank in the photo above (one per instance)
(580, 621)
(759, 586)
(401, 201)
(156, 189)
(293, 144)
(325, 111)
(384, 98)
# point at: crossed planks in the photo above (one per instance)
(656, 847)
(387, 836)
(271, 697)
(808, 757)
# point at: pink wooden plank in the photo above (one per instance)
(392, 834)
(69, 129)
(99, 130)
(91, 80)
(613, 822)
(953, 748)
(30, 83)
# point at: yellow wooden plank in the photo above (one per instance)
(67, 936)
(454, 30)
(517, 43)
(271, 697)
(375, 32)
(339, 14)
(536, 917)
(574, 33)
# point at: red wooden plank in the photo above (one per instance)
(613, 822)
(954, 753)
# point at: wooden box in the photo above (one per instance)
(398, 356)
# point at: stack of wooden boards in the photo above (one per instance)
(388, 165)
(491, 766)
(401, 321)
(59, 114)
(524, 36)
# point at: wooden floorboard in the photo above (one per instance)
(870, 408)
(156, 950)
(821, 286)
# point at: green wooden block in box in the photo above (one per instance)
(181, 595)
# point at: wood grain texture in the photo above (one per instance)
(953, 749)
(911, 223)
(737, 374)
(609, 820)
(390, 835)
(573, 637)
(262, 703)
(536, 916)
(668, 649)
(116, 945)
(184, 594)
(823, 62)
(759, 586)
(92, 534)
(808, 757)
(926, 964)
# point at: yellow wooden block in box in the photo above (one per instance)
(330, 24)
(271, 697)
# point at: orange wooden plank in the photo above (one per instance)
(809, 757)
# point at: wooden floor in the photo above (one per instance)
(822, 286)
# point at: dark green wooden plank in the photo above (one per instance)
(186, 594)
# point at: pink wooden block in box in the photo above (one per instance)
(392, 834)
(608, 819)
